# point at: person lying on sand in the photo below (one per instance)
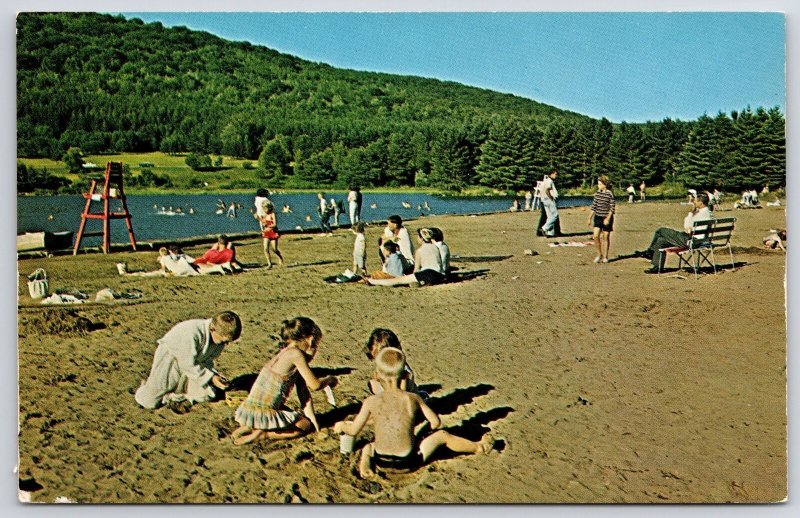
(183, 370)
(222, 253)
(393, 412)
(775, 240)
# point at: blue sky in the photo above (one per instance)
(622, 66)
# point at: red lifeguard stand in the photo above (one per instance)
(112, 189)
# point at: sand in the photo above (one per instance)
(598, 382)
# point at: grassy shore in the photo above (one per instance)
(598, 382)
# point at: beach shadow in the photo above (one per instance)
(315, 263)
(476, 426)
(461, 276)
(29, 484)
(708, 270)
(570, 234)
(479, 258)
(449, 403)
(243, 382)
(430, 388)
(339, 413)
(331, 371)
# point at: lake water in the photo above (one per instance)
(154, 221)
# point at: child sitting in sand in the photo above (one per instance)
(270, 234)
(394, 264)
(393, 413)
(379, 340)
(428, 267)
(263, 414)
(437, 236)
(359, 249)
(183, 365)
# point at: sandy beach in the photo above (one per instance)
(599, 383)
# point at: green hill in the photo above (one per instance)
(103, 83)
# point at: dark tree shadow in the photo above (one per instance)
(449, 403)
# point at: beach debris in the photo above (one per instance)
(65, 298)
(514, 278)
(530, 252)
(64, 500)
(38, 286)
(329, 395)
(109, 294)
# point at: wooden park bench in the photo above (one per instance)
(707, 235)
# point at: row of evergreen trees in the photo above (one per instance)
(104, 83)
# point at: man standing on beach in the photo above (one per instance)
(548, 194)
(667, 237)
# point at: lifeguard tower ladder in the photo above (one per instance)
(112, 189)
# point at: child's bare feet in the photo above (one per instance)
(485, 446)
(250, 437)
(367, 473)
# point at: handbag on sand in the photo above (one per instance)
(38, 286)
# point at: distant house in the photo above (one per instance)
(90, 166)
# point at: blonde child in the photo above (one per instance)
(269, 222)
(378, 340)
(359, 250)
(601, 218)
(263, 414)
(393, 413)
(183, 370)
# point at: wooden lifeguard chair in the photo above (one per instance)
(112, 190)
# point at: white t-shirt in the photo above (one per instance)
(179, 265)
(547, 185)
(429, 258)
(444, 251)
(359, 250)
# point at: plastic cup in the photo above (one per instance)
(346, 443)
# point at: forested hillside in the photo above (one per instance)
(103, 83)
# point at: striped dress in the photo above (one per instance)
(264, 407)
(603, 203)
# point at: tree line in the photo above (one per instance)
(104, 83)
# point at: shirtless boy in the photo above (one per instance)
(393, 412)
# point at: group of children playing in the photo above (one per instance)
(183, 373)
(401, 265)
